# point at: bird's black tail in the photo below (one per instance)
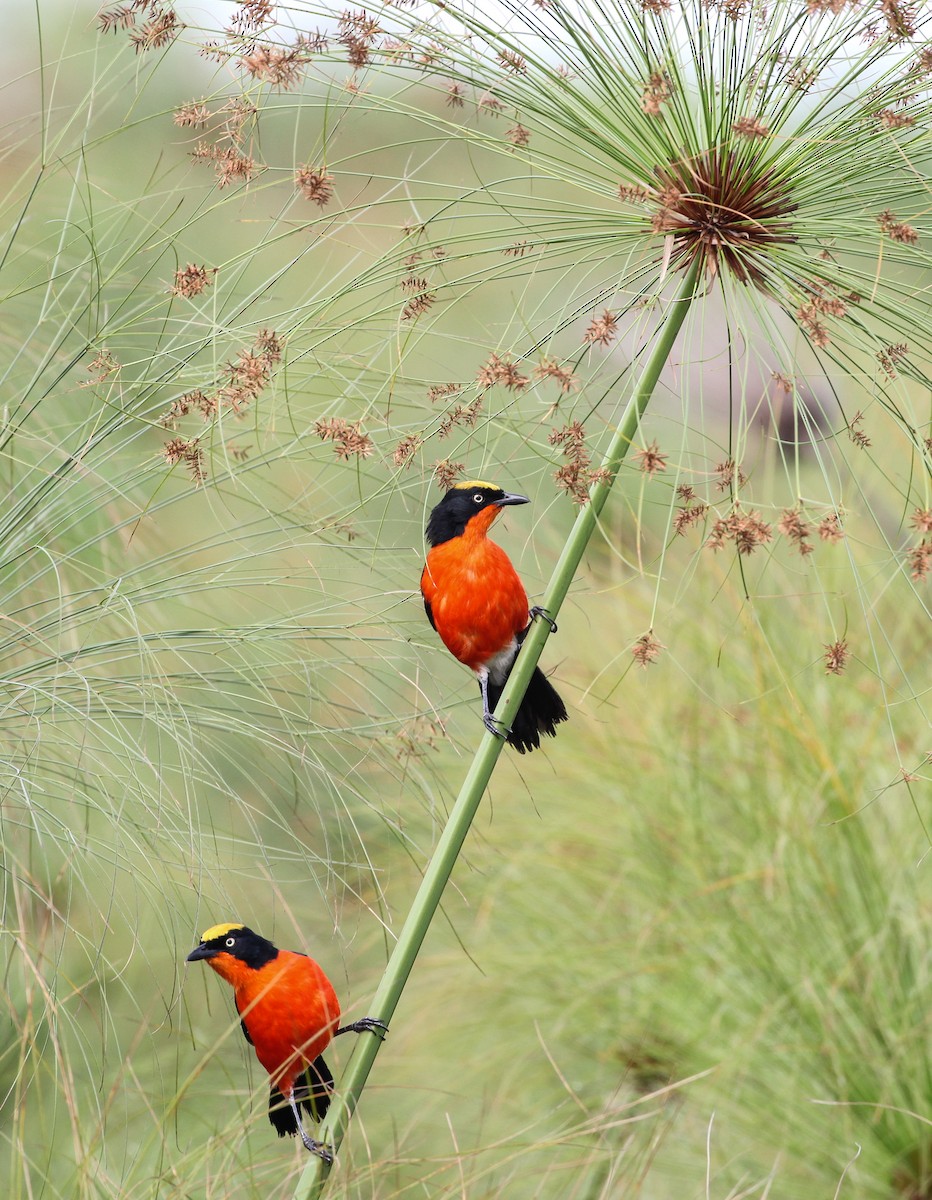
(313, 1089)
(541, 711)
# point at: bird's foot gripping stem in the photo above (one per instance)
(321, 1149)
(365, 1025)
(493, 725)
(537, 611)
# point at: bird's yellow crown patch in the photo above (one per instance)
(216, 931)
(477, 483)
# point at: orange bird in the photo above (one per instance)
(476, 602)
(289, 1011)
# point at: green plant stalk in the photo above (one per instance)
(440, 867)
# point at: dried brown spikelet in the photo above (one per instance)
(182, 405)
(750, 127)
(194, 114)
(836, 657)
(550, 368)
(491, 106)
(347, 437)
(230, 166)
(889, 356)
(418, 305)
(455, 95)
(856, 434)
(403, 454)
(500, 369)
(191, 280)
(103, 364)
(440, 391)
(115, 19)
(315, 183)
(921, 520)
(899, 18)
(270, 345)
(651, 459)
(282, 68)
(899, 231)
(729, 473)
(795, 529)
(602, 330)
(646, 650)
(891, 119)
(518, 250)
(251, 15)
(512, 61)
(463, 414)
(574, 477)
(518, 135)
(188, 451)
(919, 560)
(657, 89)
(633, 193)
(446, 472)
(687, 517)
(746, 530)
(157, 32)
(830, 530)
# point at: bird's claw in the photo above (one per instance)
(493, 725)
(537, 611)
(365, 1025)
(321, 1149)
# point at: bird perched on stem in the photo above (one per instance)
(476, 602)
(289, 1011)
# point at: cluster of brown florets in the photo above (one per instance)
(897, 230)
(227, 150)
(189, 452)
(315, 184)
(657, 90)
(501, 370)
(102, 366)
(822, 300)
(348, 439)
(602, 330)
(890, 356)
(192, 279)
(150, 24)
(919, 557)
(422, 298)
(552, 368)
(465, 415)
(577, 475)
(446, 472)
(244, 379)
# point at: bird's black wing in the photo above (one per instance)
(430, 613)
(242, 1025)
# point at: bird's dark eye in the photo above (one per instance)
(231, 941)
(478, 497)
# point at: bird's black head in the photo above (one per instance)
(238, 941)
(463, 502)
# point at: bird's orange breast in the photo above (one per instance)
(477, 601)
(291, 1011)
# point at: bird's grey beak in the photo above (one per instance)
(201, 951)
(509, 498)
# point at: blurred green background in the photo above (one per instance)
(686, 950)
